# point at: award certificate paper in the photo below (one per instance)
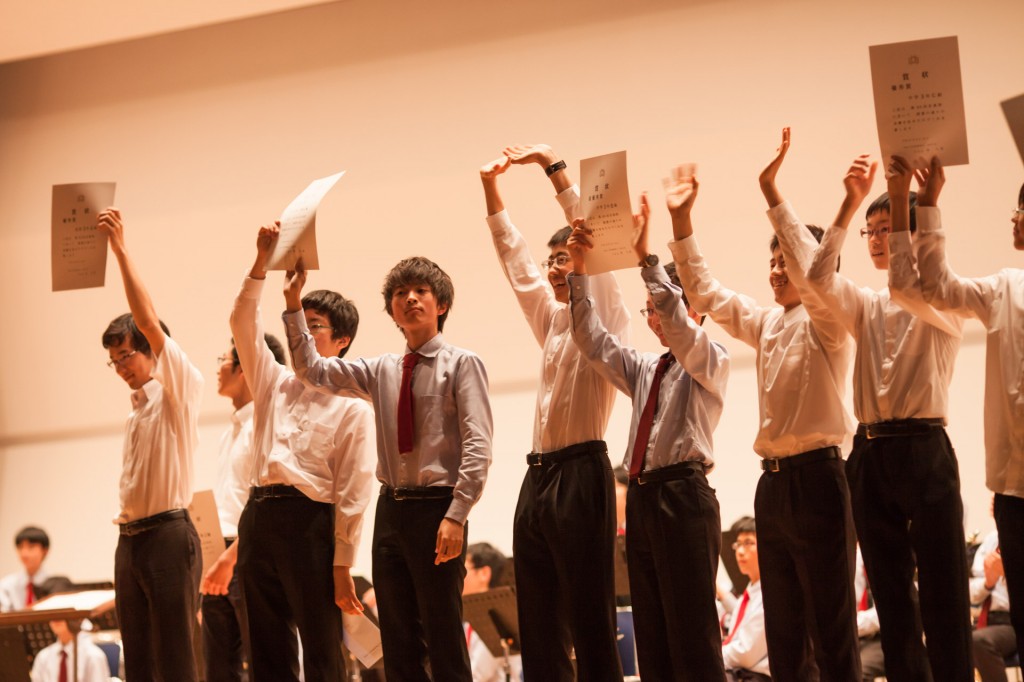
(78, 251)
(298, 227)
(919, 101)
(604, 199)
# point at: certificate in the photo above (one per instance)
(78, 251)
(362, 638)
(604, 198)
(203, 512)
(919, 101)
(1013, 109)
(298, 227)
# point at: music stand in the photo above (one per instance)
(493, 615)
(18, 619)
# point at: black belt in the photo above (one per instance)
(672, 472)
(151, 522)
(591, 447)
(230, 540)
(809, 457)
(264, 492)
(431, 492)
(899, 427)
(998, 618)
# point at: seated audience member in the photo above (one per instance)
(993, 638)
(19, 590)
(484, 567)
(92, 662)
(744, 649)
(872, 662)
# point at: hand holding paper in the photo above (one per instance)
(294, 280)
(579, 243)
(78, 249)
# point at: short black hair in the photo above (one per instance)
(560, 238)
(339, 310)
(744, 524)
(272, 343)
(882, 204)
(122, 327)
(419, 270)
(36, 536)
(486, 554)
(1020, 196)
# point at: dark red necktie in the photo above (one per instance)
(865, 597)
(63, 676)
(986, 606)
(643, 429)
(30, 594)
(739, 618)
(405, 404)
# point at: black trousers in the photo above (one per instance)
(419, 604)
(1009, 514)
(286, 566)
(673, 537)
(225, 634)
(907, 506)
(563, 539)
(156, 580)
(806, 549)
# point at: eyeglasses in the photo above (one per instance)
(560, 260)
(1018, 214)
(648, 312)
(226, 357)
(746, 544)
(114, 363)
(316, 328)
(880, 232)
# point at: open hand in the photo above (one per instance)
(681, 189)
(859, 177)
(541, 154)
(930, 181)
(495, 168)
(767, 176)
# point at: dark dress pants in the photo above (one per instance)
(907, 506)
(563, 539)
(673, 537)
(286, 566)
(419, 604)
(1009, 514)
(156, 580)
(225, 634)
(806, 549)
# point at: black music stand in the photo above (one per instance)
(493, 615)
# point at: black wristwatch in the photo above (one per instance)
(554, 168)
(650, 261)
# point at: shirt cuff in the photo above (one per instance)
(568, 198)
(900, 242)
(344, 553)
(783, 213)
(928, 219)
(499, 222)
(458, 510)
(252, 288)
(579, 286)
(294, 323)
(683, 249)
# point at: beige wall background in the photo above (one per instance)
(209, 132)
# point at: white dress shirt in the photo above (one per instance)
(1000, 597)
(234, 464)
(161, 437)
(748, 648)
(92, 662)
(452, 424)
(13, 588)
(318, 443)
(867, 619)
(801, 364)
(692, 392)
(905, 349)
(998, 302)
(574, 402)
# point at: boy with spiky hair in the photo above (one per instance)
(564, 528)
(902, 471)
(433, 421)
(311, 479)
(674, 528)
(157, 562)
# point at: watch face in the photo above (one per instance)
(652, 260)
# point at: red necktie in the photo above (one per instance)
(405, 404)
(63, 676)
(739, 618)
(864, 598)
(986, 606)
(30, 594)
(643, 430)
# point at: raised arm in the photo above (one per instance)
(904, 281)
(257, 360)
(940, 286)
(139, 302)
(739, 315)
(617, 363)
